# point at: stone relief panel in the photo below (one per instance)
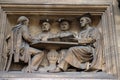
(60, 38)
(45, 43)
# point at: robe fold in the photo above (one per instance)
(92, 53)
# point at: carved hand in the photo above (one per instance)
(86, 40)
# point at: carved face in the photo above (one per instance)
(64, 25)
(84, 21)
(45, 26)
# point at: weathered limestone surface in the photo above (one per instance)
(115, 9)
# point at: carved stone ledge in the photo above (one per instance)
(57, 76)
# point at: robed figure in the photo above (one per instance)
(19, 49)
(88, 55)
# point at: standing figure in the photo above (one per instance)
(19, 48)
(88, 55)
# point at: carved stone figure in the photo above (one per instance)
(65, 35)
(45, 27)
(50, 58)
(88, 55)
(18, 47)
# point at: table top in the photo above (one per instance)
(51, 44)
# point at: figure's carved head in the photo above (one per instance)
(64, 24)
(46, 24)
(85, 20)
(23, 20)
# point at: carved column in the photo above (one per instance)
(110, 42)
(2, 35)
(113, 41)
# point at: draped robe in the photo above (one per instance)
(92, 53)
(19, 40)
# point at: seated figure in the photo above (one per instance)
(18, 47)
(65, 35)
(88, 55)
(44, 36)
(45, 27)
